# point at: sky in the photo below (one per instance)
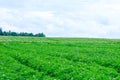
(62, 18)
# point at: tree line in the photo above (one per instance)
(11, 33)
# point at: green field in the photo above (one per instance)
(30, 58)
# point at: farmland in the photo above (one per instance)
(33, 58)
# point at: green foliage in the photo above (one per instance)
(10, 33)
(32, 58)
(1, 32)
(40, 35)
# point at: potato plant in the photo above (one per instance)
(34, 58)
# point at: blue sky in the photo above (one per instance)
(62, 18)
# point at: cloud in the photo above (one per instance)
(45, 15)
(79, 18)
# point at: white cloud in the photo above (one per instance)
(79, 18)
(46, 15)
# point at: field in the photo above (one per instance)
(32, 58)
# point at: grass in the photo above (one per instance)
(30, 58)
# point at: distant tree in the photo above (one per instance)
(30, 34)
(5, 33)
(14, 34)
(22, 34)
(1, 32)
(10, 33)
(40, 35)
